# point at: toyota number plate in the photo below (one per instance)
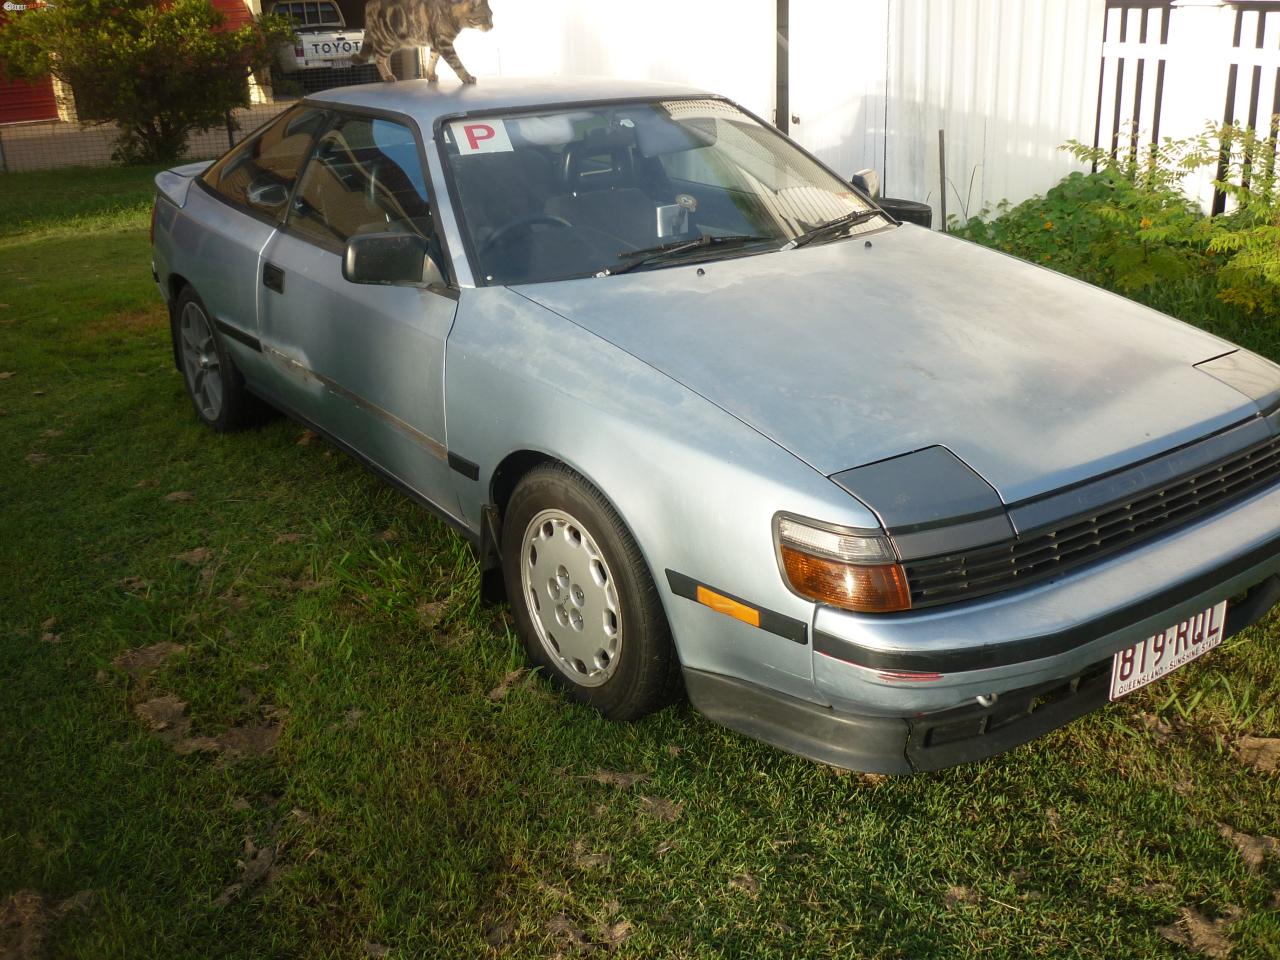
(1166, 651)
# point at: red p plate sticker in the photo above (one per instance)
(480, 136)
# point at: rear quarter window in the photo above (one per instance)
(259, 173)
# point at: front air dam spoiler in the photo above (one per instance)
(899, 745)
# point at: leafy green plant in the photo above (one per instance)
(159, 69)
(1131, 227)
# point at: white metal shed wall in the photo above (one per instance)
(872, 82)
(1009, 81)
(723, 45)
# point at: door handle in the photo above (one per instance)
(272, 277)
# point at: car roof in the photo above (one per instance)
(425, 101)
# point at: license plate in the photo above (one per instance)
(1160, 654)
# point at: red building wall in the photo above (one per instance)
(22, 101)
(235, 11)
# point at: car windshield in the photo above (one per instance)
(609, 188)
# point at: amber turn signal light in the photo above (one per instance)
(878, 588)
(848, 568)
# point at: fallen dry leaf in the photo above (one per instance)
(613, 778)
(6, 374)
(1157, 726)
(141, 661)
(163, 713)
(1260, 752)
(188, 745)
(387, 536)
(665, 847)
(23, 917)
(166, 716)
(256, 866)
(50, 433)
(49, 624)
(375, 949)
(37, 393)
(1253, 850)
(146, 482)
(1198, 933)
(289, 538)
(613, 934)
(195, 557)
(562, 926)
(36, 458)
(305, 438)
(431, 612)
(249, 740)
(501, 690)
(77, 901)
(496, 934)
(22, 923)
(589, 861)
(673, 750)
(661, 808)
(179, 496)
(957, 894)
(747, 883)
(134, 584)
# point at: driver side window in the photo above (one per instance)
(365, 176)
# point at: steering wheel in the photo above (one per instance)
(505, 232)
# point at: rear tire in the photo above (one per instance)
(214, 385)
(584, 601)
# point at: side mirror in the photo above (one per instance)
(868, 181)
(267, 194)
(391, 258)
(907, 211)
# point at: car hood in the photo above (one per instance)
(854, 351)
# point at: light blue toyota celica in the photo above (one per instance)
(718, 425)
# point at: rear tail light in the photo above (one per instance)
(850, 569)
(151, 232)
(299, 52)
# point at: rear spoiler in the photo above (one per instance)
(172, 184)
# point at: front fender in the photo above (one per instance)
(697, 487)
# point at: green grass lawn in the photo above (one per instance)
(357, 773)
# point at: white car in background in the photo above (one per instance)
(322, 40)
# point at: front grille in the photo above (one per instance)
(1040, 554)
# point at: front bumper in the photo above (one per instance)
(900, 745)
(1027, 637)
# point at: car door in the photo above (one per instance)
(242, 199)
(363, 362)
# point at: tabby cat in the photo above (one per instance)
(391, 25)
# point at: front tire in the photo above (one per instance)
(214, 385)
(584, 601)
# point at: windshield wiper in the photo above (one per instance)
(832, 226)
(665, 251)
